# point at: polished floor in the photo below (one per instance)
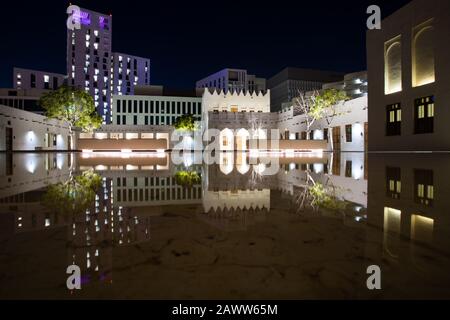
(157, 226)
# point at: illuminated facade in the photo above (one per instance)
(233, 80)
(408, 99)
(92, 66)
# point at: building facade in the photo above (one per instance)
(128, 72)
(89, 58)
(26, 131)
(92, 66)
(22, 99)
(234, 80)
(290, 82)
(28, 79)
(355, 85)
(409, 79)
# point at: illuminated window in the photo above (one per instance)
(393, 119)
(423, 55)
(424, 115)
(423, 187)
(393, 182)
(393, 66)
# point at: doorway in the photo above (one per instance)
(337, 138)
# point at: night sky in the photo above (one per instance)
(187, 40)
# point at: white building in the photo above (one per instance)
(159, 109)
(233, 80)
(27, 79)
(26, 131)
(349, 128)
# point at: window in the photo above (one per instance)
(141, 107)
(393, 182)
(424, 115)
(393, 65)
(393, 119)
(33, 80)
(135, 106)
(124, 120)
(423, 55)
(118, 119)
(118, 106)
(423, 187)
(348, 133)
(152, 109)
(146, 106)
(135, 121)
(348, 169)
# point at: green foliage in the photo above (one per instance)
(187, 178)
(74, 106)
(73, 196)
(185, 123)
(323, 104)
(321, 197)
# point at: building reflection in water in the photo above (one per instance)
(400, 210)
(407, 200)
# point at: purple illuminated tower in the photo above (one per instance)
(89, 58)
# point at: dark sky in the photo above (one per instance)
(187, 40)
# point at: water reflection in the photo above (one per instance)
(142, 226)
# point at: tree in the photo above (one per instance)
(320, 105)
(74, 106)
(186, 123)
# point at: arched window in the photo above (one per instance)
(393, 66)
(423, 55)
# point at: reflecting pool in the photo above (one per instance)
(246, 227)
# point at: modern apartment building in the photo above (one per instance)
(93, 66)
(128, 71)
(290, 82)
(89, 58)
(27, 79)
(409, 79)
(234, 80)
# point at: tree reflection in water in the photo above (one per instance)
(187, 178)
(316, 195)
(74, 195)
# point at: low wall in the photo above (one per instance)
(296, 145)
(122, 144)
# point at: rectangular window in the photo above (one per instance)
(124, 120)
(141, 106)
(393, 119)
(152, 109)
(118, 106)
(423, 187)
(157, 106)
(146, 106)
(135, 106)
(129, 106)
(118, 119)
(424, 115)
(393, 182)
(135, 121)
(348, 169)
(173, 107)
(348, 133)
